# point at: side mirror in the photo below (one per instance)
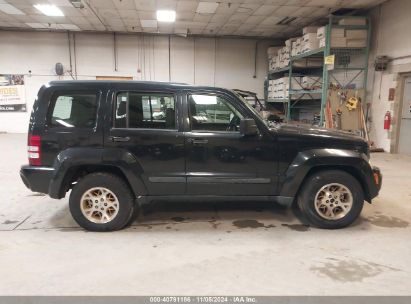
(248, 127)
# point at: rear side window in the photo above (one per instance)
(145, 111)
(74, 110)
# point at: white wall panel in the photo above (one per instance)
(95, 56)
(182, 60)
(190, 62)
(204, 61)
(391, 28)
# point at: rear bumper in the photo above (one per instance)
(37, 179)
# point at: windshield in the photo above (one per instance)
(252, 109)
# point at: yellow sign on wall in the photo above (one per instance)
(329, 59)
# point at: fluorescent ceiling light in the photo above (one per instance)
(207, 7)
(148, 23)
(10, 9)
(166, 16)
(49, 10)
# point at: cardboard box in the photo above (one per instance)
(310, 29)
(337, 32)
(356, 43)
(321, 42)
(338, 42)
(356, 34)
(309, 62)
(353, 21)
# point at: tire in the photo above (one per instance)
(335, 212)
(134, 214)
(101, 202)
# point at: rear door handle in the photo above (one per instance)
(198, 142)
(119, 138)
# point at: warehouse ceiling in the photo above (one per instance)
(257, 18)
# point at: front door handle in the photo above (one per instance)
(198, 142)
(119, 138)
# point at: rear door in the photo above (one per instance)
(145, 124)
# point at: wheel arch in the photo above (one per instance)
(74, 163)
(353, 171)
(75, 173)
(309, 162)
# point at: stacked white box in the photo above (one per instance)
(270, 90)
(279, 88)
(283, 57)
(294, 48)
(272, 58)
(321, 32)
(310, 42)
(299, 45)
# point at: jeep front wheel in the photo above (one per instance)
(331, 199)
(101, 202)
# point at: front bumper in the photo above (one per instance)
(375, 186)
(36, 178)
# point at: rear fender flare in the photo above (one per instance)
(82, 157)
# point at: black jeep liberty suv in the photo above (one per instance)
(116, 145)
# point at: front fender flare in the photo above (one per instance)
(307, 160)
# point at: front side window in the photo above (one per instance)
(74, 110)
(213, 113)
(145, 111)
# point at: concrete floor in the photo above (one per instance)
(207, 249)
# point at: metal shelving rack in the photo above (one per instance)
(343, 60)
(353, 72)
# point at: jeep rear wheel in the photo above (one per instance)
(331, 199)
(101, 202)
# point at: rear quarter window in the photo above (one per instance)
(73, 110)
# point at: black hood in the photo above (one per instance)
(318, 132)
(314, 137)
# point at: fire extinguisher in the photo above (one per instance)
(387, 120)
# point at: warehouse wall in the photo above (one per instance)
(204, 61)
(391, 37)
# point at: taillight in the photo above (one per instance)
(34, 150)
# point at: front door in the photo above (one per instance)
(145, 132)
(405, 128)
(221, 161)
